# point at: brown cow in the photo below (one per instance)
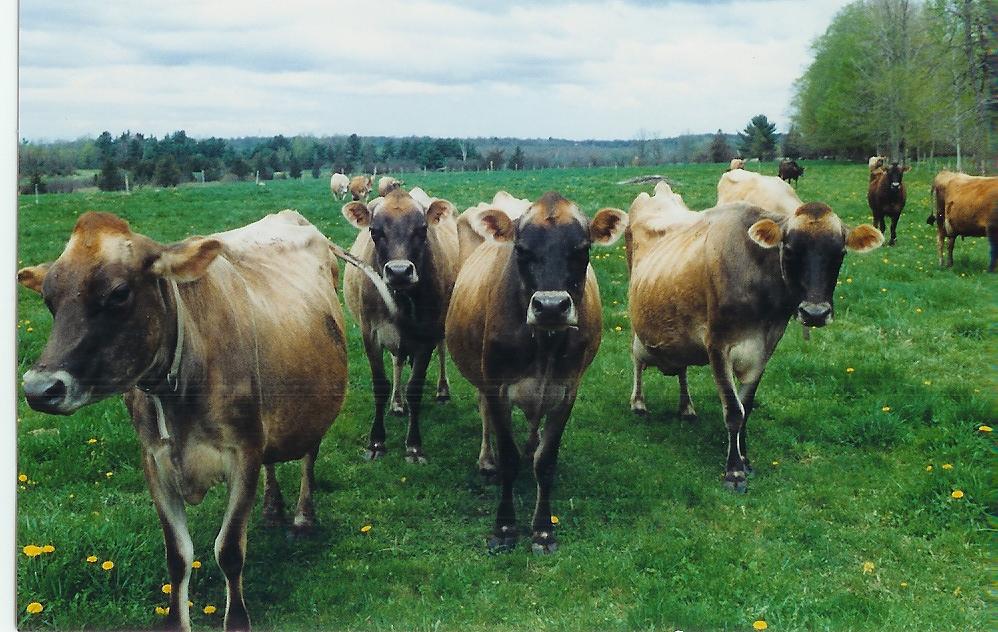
(524, 324)
(964, 205)
(468, 237)
(790, 170)
(886, 196)
(387, 184)
(230, 350)
(720, 291)
(414, 248)
(360, 187)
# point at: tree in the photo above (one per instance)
(493, 159)
(110, 177)
(167, 172)
(353, 149)
(239, 168)
(793, 144)
(758, 139)
(719, 149)
(294, 167)
(517, 159)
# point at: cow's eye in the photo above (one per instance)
(377, 234)
(118, 296)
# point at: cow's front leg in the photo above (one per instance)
(397, 405)
(305, 513)
(950, 242)
(734, 416)
(230, 545)
(638, 406)
(179, 547)
(414, 398)
(375, 357)
(273, 501)
(686, 410)
(992, 234)
(486, 460)
(497, 410)
(545, 462)
(894, 229)
(443, 384)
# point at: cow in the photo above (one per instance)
(524, 324)
(387, 184)
(413, 247)
(876, 165)
(964, 205)
(649, 218)
(769, 192)
(720, 292)
(339, 185)
(468, 237)
(886, 196)
(736, 163)
(360, 187)
(231, 355)
(790, 170)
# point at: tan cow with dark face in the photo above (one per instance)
(721, 290)
(230, 351)
(360, 187)
(413, 246)
(524, 324)
(964, 205)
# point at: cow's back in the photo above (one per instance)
(768, 192)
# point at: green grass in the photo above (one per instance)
(649, 539)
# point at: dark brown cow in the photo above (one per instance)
(413, 246)
(886, 196)
(230, 350)
(790, 170)
(524, 324)
(964, 206)
(721, 290)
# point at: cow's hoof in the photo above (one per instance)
(443, 395)
(489, 474)
(503, 540)
(273, 519)
(736, 484)
(639, 408)
(397, 409)
(892, 242)
(415, 455)
(543, 543)
(690, 417)
(375, 451)
(748, 468)
(300, 530)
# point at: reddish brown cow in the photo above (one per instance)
(230, 351)
(886, 196)
(524, 324)
(964, 206)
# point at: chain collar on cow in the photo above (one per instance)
(172, 376)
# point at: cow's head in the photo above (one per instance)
(398, 226)
(813, 242)
(551, 243)
(894, 175)
(109, 300)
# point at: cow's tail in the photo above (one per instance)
(375, 278)
(938, 208)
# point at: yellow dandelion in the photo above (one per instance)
(927, 382)
(23, 478)
(32, 550)
(190, 604)
(849, 280)
(34, 607)
(48, 548)
(928, 468)
(886, 409)
(30, 329)
(618, 328)
(849, 369)
(27, 322)
(984, 428)
(759, 625)
(366, 528)
(91, 441)
(161, 611)
(210, 609)
(904, 584)
(109, 474)
(554, 519)
(196, 564)
(167, 589)
(91, 559)
(956, 493)
(947, 466)
(107, 565)
(402, 480)
(868, 567)
(776, 462)
(883, 289)
(918, 310)
(885, 259)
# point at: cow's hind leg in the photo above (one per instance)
(375, 357)
(734, 416)
(545, 462)
(230, 545)
(992, 232)
(950, 243)
(486, 459)
(497, 411)
(686, 411)
(305, 512)
(414, 397)
(179, 547)
(273, 501)
(443, 384)
(638, 406)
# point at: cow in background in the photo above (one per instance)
(360, 187)
(339, 185)
(964, 206)
(790, 170)
(736, 163)
(876, 165)
(886, 196)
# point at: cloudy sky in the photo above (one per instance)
(576, 69)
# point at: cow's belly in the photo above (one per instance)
(193, 468)
(670, 353)
(537, 396)
(967, 225)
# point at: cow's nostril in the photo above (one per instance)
(564, 304)
(55, 391)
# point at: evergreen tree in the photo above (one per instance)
(758, 140)
(516, 160)
(239, 168)
(167, 172)
(719, 149)
(793, 144)
(294, 167)
(110, 177)
(353, 149)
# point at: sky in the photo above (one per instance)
(579, 69)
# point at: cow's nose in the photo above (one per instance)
(45, 392)
(814, 314)
(551, 308)
(400, 272)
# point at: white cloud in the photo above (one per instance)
(575, 69)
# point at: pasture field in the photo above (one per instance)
(860, 438)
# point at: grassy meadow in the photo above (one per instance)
(861, 438)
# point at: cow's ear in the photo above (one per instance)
(607, 226)
(187, 260)
(494, 224)
(864, 238)
(766, 233)
(906, 169)
(439, 210)
(33, 277)
(357, 214)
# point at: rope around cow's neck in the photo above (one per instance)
(171, 377)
